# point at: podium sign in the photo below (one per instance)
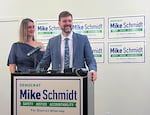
(47, 95)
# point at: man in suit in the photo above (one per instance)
(80, 52)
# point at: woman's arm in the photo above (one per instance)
(12, 68)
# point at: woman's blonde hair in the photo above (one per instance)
(24, 30)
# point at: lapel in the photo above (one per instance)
(58, 47)
(75, 42)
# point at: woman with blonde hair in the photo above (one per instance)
(18, 59)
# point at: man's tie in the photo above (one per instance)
(66, 54)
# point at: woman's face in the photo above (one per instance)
(30, 29)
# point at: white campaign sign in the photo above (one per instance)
(98, 51)
(47, 95)
(126, 52)
(126, 27)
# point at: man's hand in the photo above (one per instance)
(93, 75)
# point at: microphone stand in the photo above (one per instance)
(33, 56)
(35, 60)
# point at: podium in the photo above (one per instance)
(51, 94)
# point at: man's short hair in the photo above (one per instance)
(64, 14)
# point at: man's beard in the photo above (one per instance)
(66, 30)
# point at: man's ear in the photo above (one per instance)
(59, 23)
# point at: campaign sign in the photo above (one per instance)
(47, 95)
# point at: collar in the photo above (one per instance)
(70, 36)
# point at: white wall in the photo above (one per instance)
(121, 89)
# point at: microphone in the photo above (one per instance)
(34, 50)
(80, 71)
(76, 71)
